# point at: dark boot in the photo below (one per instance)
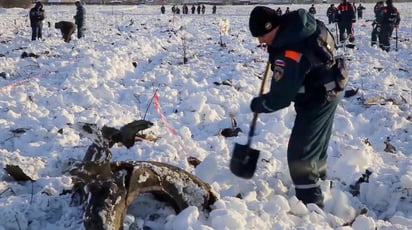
(311, 195)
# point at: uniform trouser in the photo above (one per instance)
(345, 27)
(391, 31)
(36, 32)
(375, 33)
(330, 20)
(384, 37)
(80, 31)
(307, 150)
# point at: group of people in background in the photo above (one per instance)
(387, 18)
(201, 9)
(37, 15)
(279, 11)
(344, 15)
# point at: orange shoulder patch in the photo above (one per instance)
(293, 55)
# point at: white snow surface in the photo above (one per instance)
(94, 80)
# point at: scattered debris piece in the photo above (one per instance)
(231, 132)
(233, 120)
(60, 131)
(404, 99)
(355, 188)
(25, 55)
(225, 82)
(389, 147)
(126, 135)
(378, 68)
(193, 161)
(17, 173)
(367, 142)
(351, 92)
(372, 100)
(146, 137)
(19, 130)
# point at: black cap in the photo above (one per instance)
(389, 2)
(263, 20)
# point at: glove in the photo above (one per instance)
(256, 105)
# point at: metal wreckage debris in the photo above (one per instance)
(106, 188)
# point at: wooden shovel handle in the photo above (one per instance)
(265, 77)
(255, 115)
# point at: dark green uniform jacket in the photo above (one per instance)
(296, 79)
(289, 66)
(79, 18)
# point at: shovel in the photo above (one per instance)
(244, 158)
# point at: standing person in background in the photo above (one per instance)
(312, 10)
(287, 10)
(185, 9)
(345, 18)
(331, 13)
(79, 19)
(301, 75)
(198, 9)
(163, 9)
(193, 8)
(214, 9)
(376, 26)
(279, 11)
(360, 11)
(203, 9)
(354, 6)
(390, 19)
(37, 16)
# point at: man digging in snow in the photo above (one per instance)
(305, 71)
(66, 28)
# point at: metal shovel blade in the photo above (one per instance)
(244, 160)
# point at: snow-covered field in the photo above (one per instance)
(130, 52)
